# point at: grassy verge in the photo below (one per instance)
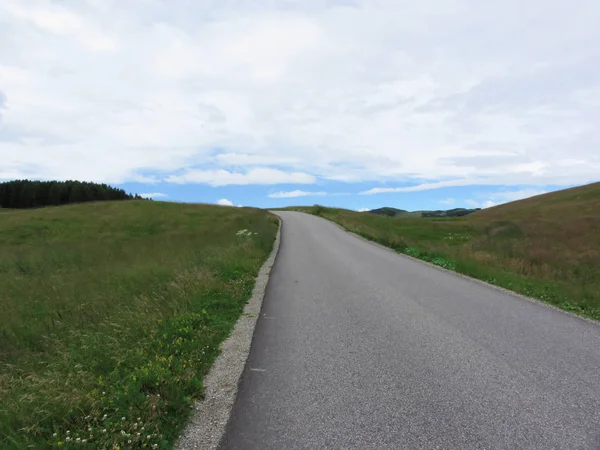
(547, 247)
(112, 315)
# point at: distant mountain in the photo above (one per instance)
(394, 212)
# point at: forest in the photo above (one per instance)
(34, 194)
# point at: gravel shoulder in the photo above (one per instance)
(211, 414)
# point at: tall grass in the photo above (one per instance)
(112, 313)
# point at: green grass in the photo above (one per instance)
(546, 247)
(112, 315)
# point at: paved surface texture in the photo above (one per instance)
(358, 347)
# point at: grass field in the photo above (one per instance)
(547, 247)
(112, 313)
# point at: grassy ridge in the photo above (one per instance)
(113, 313)
(547, 247)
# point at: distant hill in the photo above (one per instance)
(393, 212)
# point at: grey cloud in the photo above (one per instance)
(368, 108)
(211, 113)
(3, 101)
(552, 86)
(15, 133)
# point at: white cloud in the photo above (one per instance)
(448, 201)
(224, 202)
(296, 193)
(483, 204)
(423, 187)
(154, 195)
(497, 198)
(222, 177)
(363, 210)
(511, 196)
(368, 90)
(242, 159)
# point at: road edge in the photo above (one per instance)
(209, 420)
(476, 280)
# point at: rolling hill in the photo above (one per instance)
(401, 213)
(547, 247)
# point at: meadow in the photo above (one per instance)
(112, 314)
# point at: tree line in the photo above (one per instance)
(34, 194)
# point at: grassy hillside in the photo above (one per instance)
(113, 312)
(547, 247)
(394, 212)
(401, 213)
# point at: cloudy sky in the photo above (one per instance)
(356, 103)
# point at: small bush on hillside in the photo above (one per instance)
(318, 210)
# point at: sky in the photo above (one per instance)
(429, 104)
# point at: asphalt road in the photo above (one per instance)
(358, 347)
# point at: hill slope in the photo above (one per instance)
(394, 212)
(546, 247)
(401, 213)
(113, 312)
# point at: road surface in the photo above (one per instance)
(360, 348)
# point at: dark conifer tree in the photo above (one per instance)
(34, 194)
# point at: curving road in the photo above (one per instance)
(358, 347)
